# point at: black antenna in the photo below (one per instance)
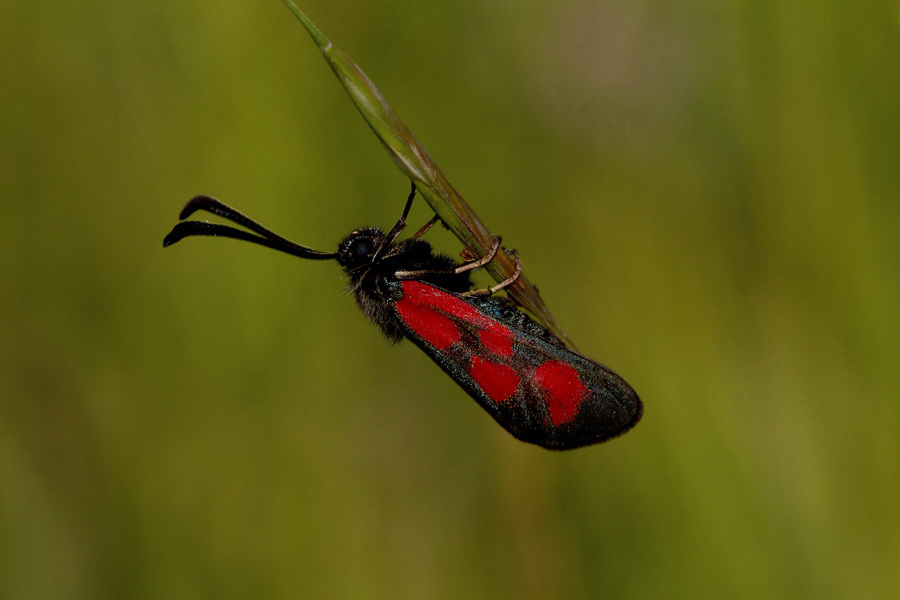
(265, 237)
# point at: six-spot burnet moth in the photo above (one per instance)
(519, 372)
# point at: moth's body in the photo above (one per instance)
(519, 372)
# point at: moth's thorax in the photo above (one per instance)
(372, 269)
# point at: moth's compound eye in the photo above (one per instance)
(362, 247)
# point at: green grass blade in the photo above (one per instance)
(414, 161)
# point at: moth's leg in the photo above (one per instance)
(467, 266)
(477, 263)
(425, 227)
(503, 284)
(398, 226)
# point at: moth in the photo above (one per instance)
(525, 377)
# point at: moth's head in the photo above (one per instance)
(359, 248)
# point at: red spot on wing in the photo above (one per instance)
(562, 389)
(497, 339)
(428, 295)
(495, 336)
(430, 325)
(499, 382)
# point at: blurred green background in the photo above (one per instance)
(705, 192)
